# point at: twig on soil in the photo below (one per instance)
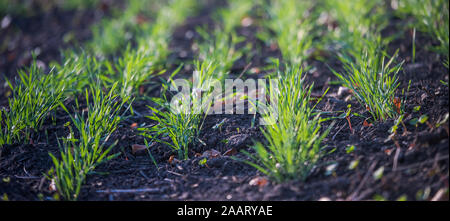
(128, 170)
(334, 136)
(355, 194)
(143, 190)
(350, 125)
(366, 193)
(245, 69)
(143, 174)
(168, 180)
(423, 162)
(174, 173)
(41, 183)
(26, 177)
(397, 154)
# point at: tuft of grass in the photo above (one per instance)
(294, 136)
(431, 17)
(220, 46)
(359, 26)
(292, 24)
(374, 82)
(81, 155)
(183, 123)
(149, 57)
(34, 96)
(180, 119)
(372, 78)
(78, 71)
(232, 15)
(137, 67)
(112, 34)
(293, 128)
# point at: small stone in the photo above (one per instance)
(247, 21)
(343, 91)
(189, 34)
(6, 21)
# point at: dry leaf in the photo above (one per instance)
(388, 152)
(258, 181)
(171, 158)
(137, 148)
(255, 70)
(230, 152)
(397, 104)
(366, 124)
(350, 124)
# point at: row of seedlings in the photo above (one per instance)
(88, 144)
(293, 128)
(370, 73)
(182, 117)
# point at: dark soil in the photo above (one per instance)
(415, 161)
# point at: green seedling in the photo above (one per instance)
(432, 18)
(113, 33)
(378, 174)
(80, 156)
(150, 154)
(292, 27)
(374, 83)
(421, 120)
(34, 96)
(148, 59)
(181, 123)
(350, 149)
(293, 134)
(202, 162)
(353, 165)
(360, 23)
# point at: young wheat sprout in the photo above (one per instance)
(34, 96)
(218, 53)
(80, 156)
(293, 28)
(374, 83)
(372, 78)
(294, 139)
